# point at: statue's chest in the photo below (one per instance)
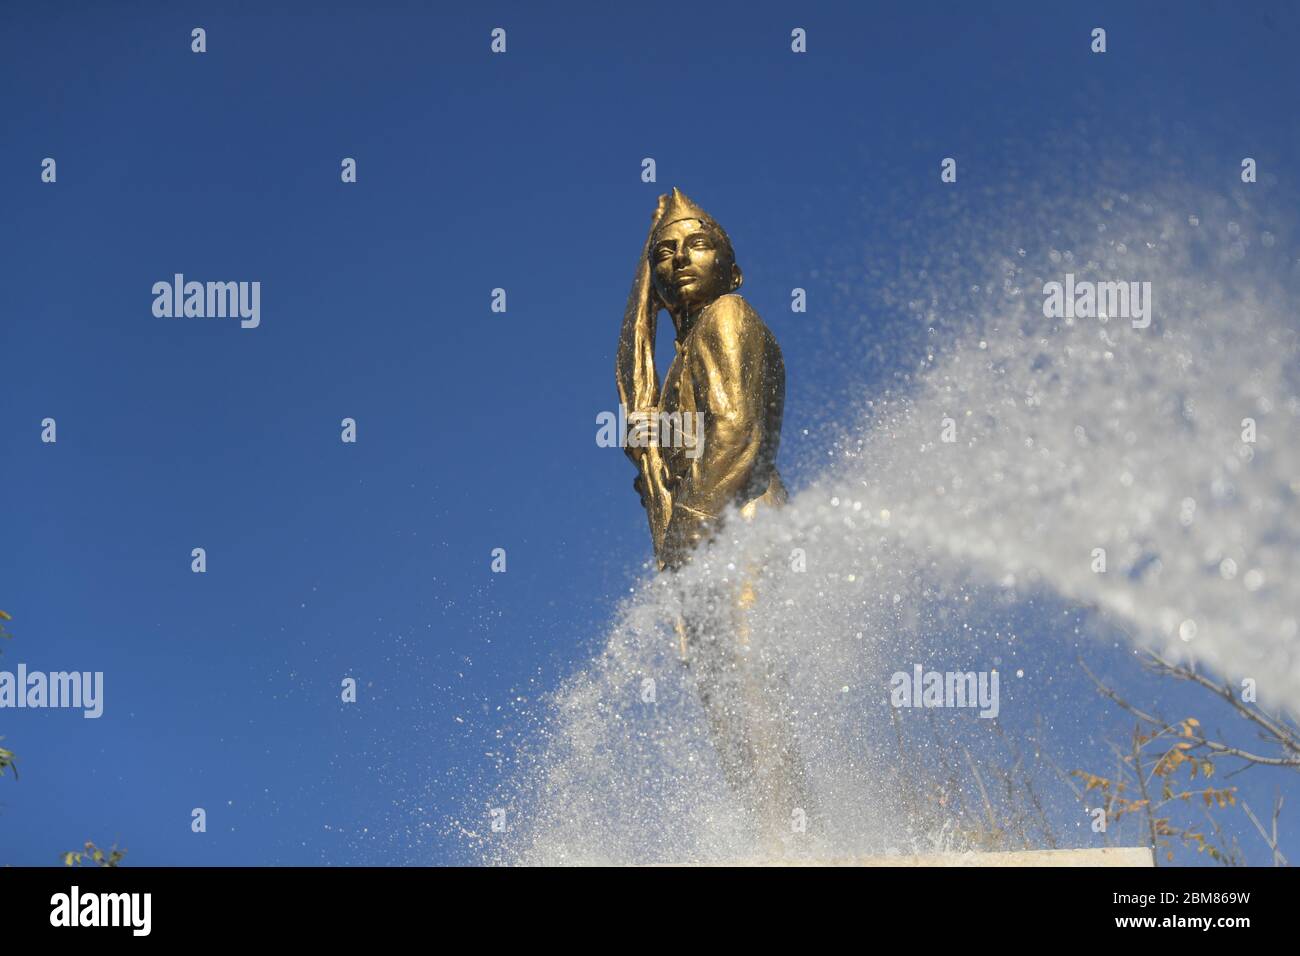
(679, 386)
(680, 427)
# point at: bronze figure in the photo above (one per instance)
(728, 371)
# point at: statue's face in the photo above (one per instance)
(691, 266)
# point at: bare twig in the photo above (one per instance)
(1278, 858)
(1150, 812)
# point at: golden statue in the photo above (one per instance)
(728, 375)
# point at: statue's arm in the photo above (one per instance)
(734, 382)
(638, 381)
(638, 385)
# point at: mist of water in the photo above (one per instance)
(1069, 438)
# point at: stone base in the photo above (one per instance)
(1106, 856)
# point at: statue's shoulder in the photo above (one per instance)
(730, 315)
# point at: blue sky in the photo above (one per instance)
(476, 429)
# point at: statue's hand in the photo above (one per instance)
(642, 430)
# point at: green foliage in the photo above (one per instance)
(7, 761)
(94, 856)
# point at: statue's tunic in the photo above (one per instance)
(729, 369)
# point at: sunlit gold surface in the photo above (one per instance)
(728, 369)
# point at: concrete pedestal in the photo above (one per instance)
(1107, 856)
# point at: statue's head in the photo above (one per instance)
(691, 260)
